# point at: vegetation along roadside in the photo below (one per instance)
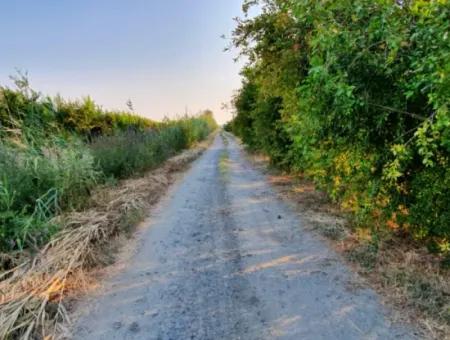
(354, 97)
(73, 176)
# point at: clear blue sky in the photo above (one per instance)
(164, 55)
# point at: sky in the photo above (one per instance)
(166, 56)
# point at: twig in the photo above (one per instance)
(414, 115)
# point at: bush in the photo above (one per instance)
(356, 95)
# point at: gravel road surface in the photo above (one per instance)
(223, 258)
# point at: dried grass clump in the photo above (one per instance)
(33, 292)
(413, 279)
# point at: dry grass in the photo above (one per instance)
(33, 293)
(406, 276)
(412, 280)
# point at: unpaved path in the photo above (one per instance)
(224, 258)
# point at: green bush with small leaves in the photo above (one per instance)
(356, 95)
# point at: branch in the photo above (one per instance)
(400, 111)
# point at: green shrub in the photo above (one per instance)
(356, 95)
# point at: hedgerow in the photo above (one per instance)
(356, 95)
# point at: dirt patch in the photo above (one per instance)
(35, 294)
(407, 276)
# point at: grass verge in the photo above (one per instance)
(34, 293)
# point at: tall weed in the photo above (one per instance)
(37, 183)
(126, 153)
(53, 152)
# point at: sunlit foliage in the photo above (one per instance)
(356, 95)
(54, 152)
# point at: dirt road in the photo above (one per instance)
(224, 258)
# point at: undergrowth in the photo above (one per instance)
(406, 274)
(355, 95)
(53, 153)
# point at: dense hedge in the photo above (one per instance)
(355, 94)
(54, 152)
